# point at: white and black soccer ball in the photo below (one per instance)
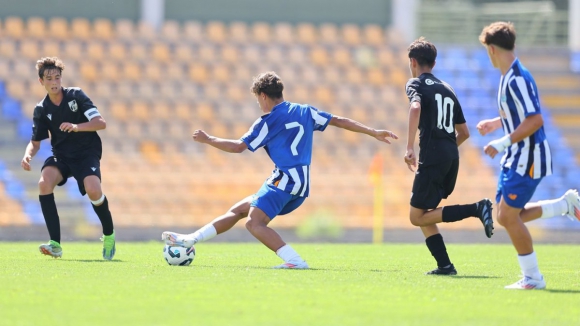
(178, 256)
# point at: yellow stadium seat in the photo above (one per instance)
(386, 57)
(7, 48)
(125, 29)
(297, 55)
(275, 54)
(243, 74)
(237, 93)
(284, 33)
(193, 31)
(89, 71)
(36, 27)
(342, 56)
(139, 111)
(171, 30)
(132, 71)
(374, 34)
(135, 129)
(261, 32)
(58, 28)
(105, 89)
(183, 52)
(183, 111)
(307, 33)
(376, 77)
(161, 52)
(154, 71)
(81, 28)
(14, 27)
(252, 54)
(116, 50)
(329, 33)
(103, 28)
(198, 73)
(138, 51)
(29, 49)
(51, 48)
(175, 71)
(319, 56)
(216, 31)
(151, 151)
(354, 75)
(73, 49)
(119, 111)
(207, 53)
(17, 88)
(95, 50)
(230, 54)
(124, 89)
(161, 111)
(146, 31)
(221, 73)
(324, 95)
(351, 34)
(238, 32)
(332, 75)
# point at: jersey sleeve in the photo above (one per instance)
(39, 126)
(413, 91)
(321, 118)
(458, 117)
(259, 134)
(524, 90)
(86, 105)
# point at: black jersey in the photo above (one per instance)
(440, 112)
(75, 108)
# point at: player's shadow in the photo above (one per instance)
(473, 276)
(561, 291)
(97, 261)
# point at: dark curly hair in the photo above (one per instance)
(48, 63)
(423, 51)
(268, 83)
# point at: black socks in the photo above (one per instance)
(458, 212)
(51, 218)
(105, 216)
(437, 248)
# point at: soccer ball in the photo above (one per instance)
(178, 256)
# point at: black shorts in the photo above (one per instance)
(433, 183)
(79, 169)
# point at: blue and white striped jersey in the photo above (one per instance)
(286, 134)
(517, 99)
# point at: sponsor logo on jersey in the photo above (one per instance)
(73, 105)
(49, 116)
(94, 169)
(429, 82)
(512, 196)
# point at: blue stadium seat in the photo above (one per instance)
(2, 90)
(575, 61)
(24, 129)
(32, 209)
(11, 109)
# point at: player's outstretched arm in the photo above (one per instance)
(31, 150)
(352, 125)
(226, 145)
(489, 125)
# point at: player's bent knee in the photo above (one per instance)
(45, 187)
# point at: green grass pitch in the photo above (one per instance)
(233, 284)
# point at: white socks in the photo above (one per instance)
(529, 266)
(289, 255)
(553, 207)
(205, 233)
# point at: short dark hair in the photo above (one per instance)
(501, 34)
(423, 51)
(268, 83)
(48, 63)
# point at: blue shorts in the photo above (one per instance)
(517, 190)
(274, 201)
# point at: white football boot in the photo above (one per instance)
(573, 201)
(528, 283)
(295, 265)
(178, 239)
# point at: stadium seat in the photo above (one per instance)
(306, 33)
(329, 33)
(73, 49)
(103, 28)
(146, 31)
(261, 32)
(124, 29)
(171, 31)
(216, 32)
(230, 54)
(139, 51)
(341, 56)
(238, 32)
(351, 34)
(36, 27)
(7, 48)
(132, 71)
(81, 28)
(207, 53)
(283, 33)
(193, 31)
(319, 56)
(14, 27)
(119, 111)
(198, 73)
(58, 28)
(50, 48)
(373, 35)
(175, 71)
(95, 50)
(29, 49)
(183, 53)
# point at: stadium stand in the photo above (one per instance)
(154, 89)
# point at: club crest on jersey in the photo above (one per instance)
(73, 105)
(502, 114)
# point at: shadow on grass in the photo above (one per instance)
(473, 276)
(96, 260)
(561, 291)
